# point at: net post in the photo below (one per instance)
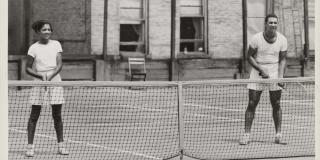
(181, 119)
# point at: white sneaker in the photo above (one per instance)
(245, 139)
(62, 149)
(277, 139)
(30, 150)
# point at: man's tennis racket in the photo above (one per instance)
(302, 86)
(282, 86)
(299, 84)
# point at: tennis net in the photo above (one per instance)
(160, 120)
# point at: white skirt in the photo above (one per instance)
(46, 95)
(272, 70)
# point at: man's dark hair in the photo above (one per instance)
(36, 26)
(269, 16)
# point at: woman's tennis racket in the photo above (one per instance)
(46, 93)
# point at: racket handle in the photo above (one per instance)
(282, 86)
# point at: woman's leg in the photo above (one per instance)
(32, 123)
(58, 125)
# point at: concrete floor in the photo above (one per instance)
(296, 158)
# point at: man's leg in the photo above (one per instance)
(275, 97)
(254, 98)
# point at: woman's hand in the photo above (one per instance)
(44, 77)
(50, 77)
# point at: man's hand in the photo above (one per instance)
(264, 75)
(282, 85)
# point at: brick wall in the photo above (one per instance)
(225, 28)
(159, 28)
(290, 14)
(70, 22)
(224, 33)
(97, 16)
(113, 33)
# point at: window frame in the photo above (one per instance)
(311, 19)
(203, 16)
(143, 21)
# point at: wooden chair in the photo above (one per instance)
(137, 69)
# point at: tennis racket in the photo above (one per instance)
(302, 86)
(46, 93)
(298, 84)
(282, 85)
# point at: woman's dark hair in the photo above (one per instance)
(268, 16)
(36, 26)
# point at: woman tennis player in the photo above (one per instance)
(44, 63)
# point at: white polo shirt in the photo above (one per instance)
(268, 52)
(45, 55)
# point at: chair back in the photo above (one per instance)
(136, 65)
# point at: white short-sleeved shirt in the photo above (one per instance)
(268, 52)
(45, 55)
(268, 58)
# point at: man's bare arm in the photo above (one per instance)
(252, 53)
(282, 63)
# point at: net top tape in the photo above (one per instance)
(13, 83)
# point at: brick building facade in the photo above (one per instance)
(180, 39)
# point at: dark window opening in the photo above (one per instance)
(131, 37)
(191, 34)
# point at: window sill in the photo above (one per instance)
(193, 55)
(125, 55)
(67, 57)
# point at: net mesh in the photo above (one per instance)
(214, 122)
(99, 123)
(143, 120)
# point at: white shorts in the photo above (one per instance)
(46, 95)
(272, 70)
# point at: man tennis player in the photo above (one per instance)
(267, 56)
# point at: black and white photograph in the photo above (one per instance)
(160, 79)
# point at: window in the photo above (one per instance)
(311, 18)
(257, 10)
(131, 38)
(132, 26)
(192, 25)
